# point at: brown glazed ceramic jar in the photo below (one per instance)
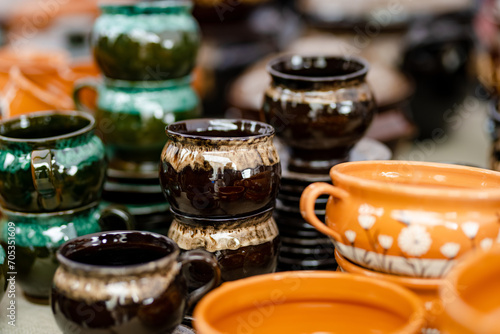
(244, 247)
(320, 107)
(220, 168)
(124, 282)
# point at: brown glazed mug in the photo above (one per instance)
(125, 282)
(220, 167)
(320, 107)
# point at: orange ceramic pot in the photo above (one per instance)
(20, 95)
(407, 218)
(471, 294)
(425, 288)
(309, 302)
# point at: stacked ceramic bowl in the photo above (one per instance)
(146, 52)
(51, 178)
(221, 178)
(407, 222)
(320, 107)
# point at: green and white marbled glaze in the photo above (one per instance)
(132, 116)
(78, 164)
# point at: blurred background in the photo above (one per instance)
(433, 63)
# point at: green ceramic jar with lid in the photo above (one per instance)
(148, 40)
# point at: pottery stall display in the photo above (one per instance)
(309, 302)
(130, 281)
(407, 218)
(146, 52)
(221, 178)
(425, 288)
(470, 294)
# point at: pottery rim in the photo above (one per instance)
(357, 74)
(464, 194)
(88, 127)
(458, 310)
(220, 124)
(406, 281)
(202, 324)
(134, 7)
(106, 271)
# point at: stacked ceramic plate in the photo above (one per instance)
(302, 246)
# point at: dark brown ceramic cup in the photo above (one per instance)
(220, 168)
(125, 282)
(320, 107)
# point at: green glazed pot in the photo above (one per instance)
(132, 116)
(156, 40)
(50, 161)
(38, 236)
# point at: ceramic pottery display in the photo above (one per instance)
(39, 235)
(425, 288)
(146, 41)
(309, 302)
(244, 247)
(220, 168)
(132, 116)
(128, 281)
(50, 161)
(471, 293)
(320, 106)
(407, 218)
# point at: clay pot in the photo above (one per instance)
(220, 168)
(320, 106)
(244, 247)
(309, 302)
(425, 288)
(470, 294)
(407, 218)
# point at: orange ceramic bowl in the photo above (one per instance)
(407, 218)
(470, 294)
(425, 288)
(309, 302)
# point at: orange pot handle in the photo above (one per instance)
(308, 202)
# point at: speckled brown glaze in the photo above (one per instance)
(244, 247)
(123, 282)
(220, 168)
(320, 106)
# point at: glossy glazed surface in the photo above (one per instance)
(38, 236)
(220, 168)
(407, 218)
(298, 302)
(320, 107)
(50, 161)
(132, 116)
(471, 294)
(125, 282)
(146, 41)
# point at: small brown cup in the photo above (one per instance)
(125, 282)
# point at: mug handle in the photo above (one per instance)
(113, 213)
(308, 202)
(43, 179)
(85, 83)
(198, 255)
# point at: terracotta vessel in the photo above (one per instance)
(320, 106)
(220, 168)
(471, 294)
(407, 218)
(425, 288)
(127, 281)
(309, 302)
(244, 246)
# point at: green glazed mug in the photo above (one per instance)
(50, 161)
(132, 116)
(146, 41)
(37, 237)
